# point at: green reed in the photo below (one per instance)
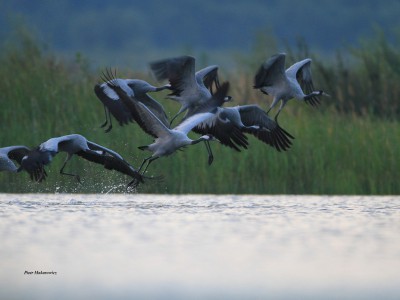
(333, 152)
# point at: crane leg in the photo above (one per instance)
(69, 174)
(210, 154)
(149, 160)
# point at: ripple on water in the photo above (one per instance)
(207, 245)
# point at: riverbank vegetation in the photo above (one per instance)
(349, 145)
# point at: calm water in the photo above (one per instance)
(199, 247)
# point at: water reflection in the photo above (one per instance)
(233, 247)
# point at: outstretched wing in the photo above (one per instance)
(179, 71)
(154, 106)
(113, 103)
(17, 152)
(7, 154)
(270, 72)
(34, 161)
(97, 147)
(269, 131)
(223, 130)
(208, 77)
(202, 113)
(146, 119)
(111, 163)
(218, 124)
(302, 72)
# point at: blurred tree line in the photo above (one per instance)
(138, 30)
(362, 79)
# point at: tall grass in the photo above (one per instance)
(334, 152)
(363, 79)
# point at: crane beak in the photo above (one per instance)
(228, 99)
(325, 94)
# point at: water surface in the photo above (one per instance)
(199, 247)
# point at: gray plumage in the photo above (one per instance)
(77, 144)
(229, 124)
(224, 125)
(189, 88)
(167, 140)
(18, 153)
(296, 82)
(257, 122)
(134, 87)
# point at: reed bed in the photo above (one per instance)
(345, 147)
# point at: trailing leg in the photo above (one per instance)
(210, 154)
(149, 160)
(69, 174)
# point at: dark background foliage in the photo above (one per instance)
(127, 32)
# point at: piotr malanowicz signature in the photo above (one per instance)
(40, 273)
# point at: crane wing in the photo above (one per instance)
(270, 72)
(208, 77)
(113, 103)
(302, 72)
(146, 119)
(17, 152)
(111, 163)
(154, 106)
(223, 130)
(269, 132)
(179, 71)
(97, 147)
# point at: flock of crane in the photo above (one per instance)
(202, 98)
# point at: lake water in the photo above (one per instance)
(138, 246)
